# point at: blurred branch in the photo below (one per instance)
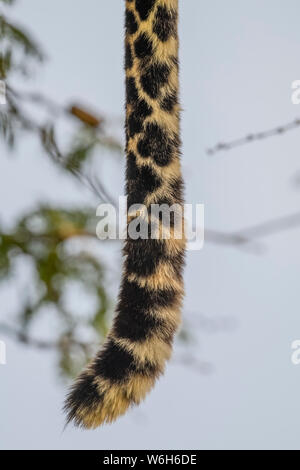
(222, 146)
(199, 366)
(244, 238)
(232, 239)
(271, 227)
(24, 338)
(13, 40)
(92, 135)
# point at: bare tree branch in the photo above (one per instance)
(247, 237)
(49, 141)
(271, 227)
(248, 139)
(232, 239)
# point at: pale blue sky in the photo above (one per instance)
(238, 60)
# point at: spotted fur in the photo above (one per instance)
(148, 311)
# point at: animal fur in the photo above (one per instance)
(148, 311)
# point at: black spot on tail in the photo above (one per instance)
(141, 181)
(156, 144)
(113, 362)
(144, 8)
(116, 364)
(131, 90)
(135, 125)
(132, 169)
(165, 23)
(128, 57)
(154, 78)
(143, 256)
(143, 46)
(141, 110)
(130, 22)
(134, 321)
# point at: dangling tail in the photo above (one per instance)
(148, 311)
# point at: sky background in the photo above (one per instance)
(238, 60)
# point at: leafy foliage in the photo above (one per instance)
(44, 237)
(17, 47)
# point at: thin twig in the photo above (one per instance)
(232, 239)
(224, 146)
(52, 147)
